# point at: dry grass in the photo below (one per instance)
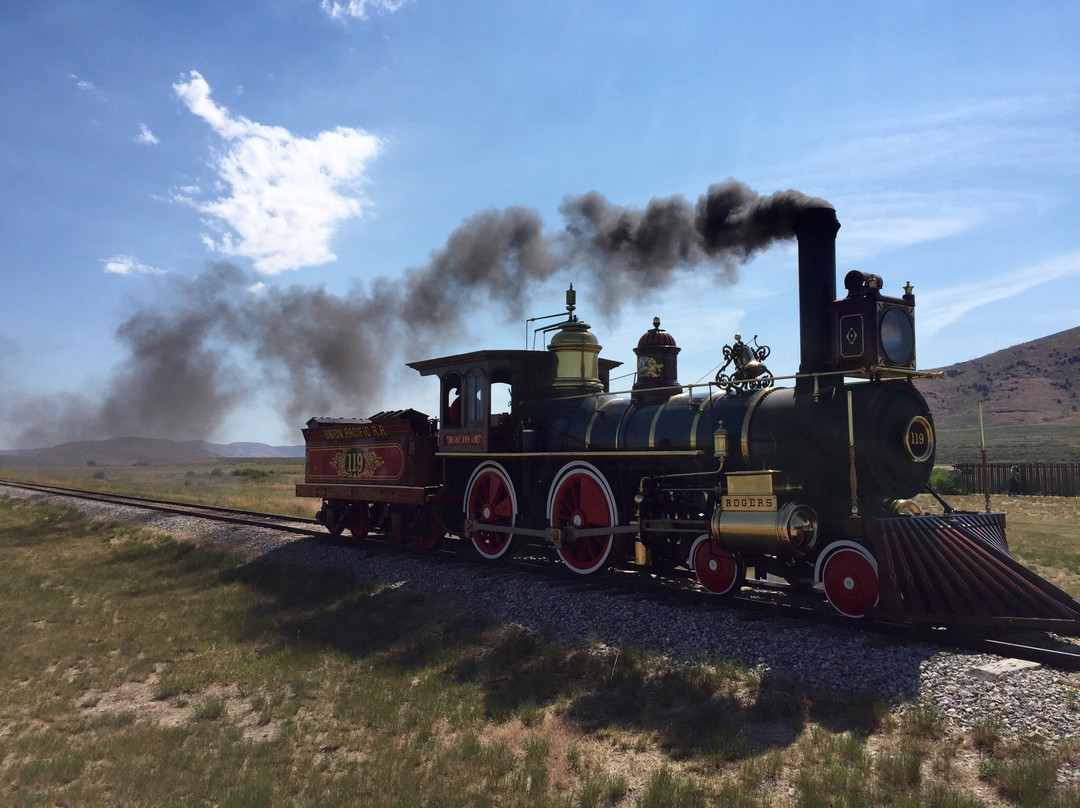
(135, 670)
(251, 484)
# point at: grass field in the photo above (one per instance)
(249, 483)
(135, 670)
(1056, 442)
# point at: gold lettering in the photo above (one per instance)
(749, 503)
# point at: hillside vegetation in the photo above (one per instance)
(1031, 403)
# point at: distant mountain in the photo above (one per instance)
(1034, 383)
(115, 452)
(141, 451)
(248, 449)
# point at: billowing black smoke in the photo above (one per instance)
(727, 226)
(206, 345)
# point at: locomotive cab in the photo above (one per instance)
(484, 395)
(474, 415)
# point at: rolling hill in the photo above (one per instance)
(1031, 403)
(1037, 382)
(133, 451)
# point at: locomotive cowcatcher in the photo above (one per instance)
(810, 483)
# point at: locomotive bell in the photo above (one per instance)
(753, 369)
(750, 367)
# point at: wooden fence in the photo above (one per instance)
(1051, 479)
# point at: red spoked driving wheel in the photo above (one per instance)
(850, 577)
(490, 499)
(581, 499)
(718, 571)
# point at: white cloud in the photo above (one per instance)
(285, 194)
(127, 265)
(876, 222)
(942, 307)
(946, 143)
(146, 137)
(83, 84)
(358, 9)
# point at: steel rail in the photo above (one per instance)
(216, 512)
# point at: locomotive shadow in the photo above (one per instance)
(322, 605)
(605, 683)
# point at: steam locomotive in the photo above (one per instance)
(811, 483)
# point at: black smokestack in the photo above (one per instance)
(205, 345)
(816, 228)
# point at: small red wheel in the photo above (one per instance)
(850, 576)
(396, 524)
(359, 520)
(490, 499)
(718, 571)
(429, 528)
(335, 516)
(581, 498)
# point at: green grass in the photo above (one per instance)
(139, 671)
(1025, 774)
(135, 670)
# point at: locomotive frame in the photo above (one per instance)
(810, 483)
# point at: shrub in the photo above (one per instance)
(944, 481)
(253, 474)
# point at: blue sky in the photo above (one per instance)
(318, 147)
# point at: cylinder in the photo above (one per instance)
(788, 533)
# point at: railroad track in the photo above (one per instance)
(760, 597)
(236, 516)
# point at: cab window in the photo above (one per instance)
(501, 395)
(451, 400)
(474, 398)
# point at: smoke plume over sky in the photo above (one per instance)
(220, 219)
(204, 343)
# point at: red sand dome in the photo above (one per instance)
(657, 365)
(657, 337)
